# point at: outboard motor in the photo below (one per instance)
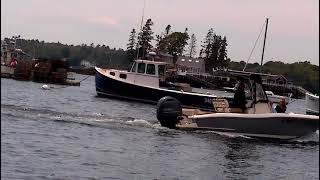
(168, 111)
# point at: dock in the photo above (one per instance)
(54, 71)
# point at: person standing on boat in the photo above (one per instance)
(281, 107)
(240, 97)
(13, 63)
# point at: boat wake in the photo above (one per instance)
(141, 123)
(230, 135)
(312, 139)
(107, 121)
(94, 119)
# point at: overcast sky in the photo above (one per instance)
(293, 31)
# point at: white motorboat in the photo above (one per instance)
(276, 98)
(312, 104)
(257, 121)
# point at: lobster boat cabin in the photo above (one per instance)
(146, 82)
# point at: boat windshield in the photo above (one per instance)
(260, 94)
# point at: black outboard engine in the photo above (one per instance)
(168, 111)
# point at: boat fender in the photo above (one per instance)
(169, 109)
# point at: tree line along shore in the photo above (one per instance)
(213, 50)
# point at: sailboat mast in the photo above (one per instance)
(264, 40)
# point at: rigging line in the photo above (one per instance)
(255, 43)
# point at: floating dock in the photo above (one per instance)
(40, 70)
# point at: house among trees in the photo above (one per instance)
(191, 65)
(184, 63)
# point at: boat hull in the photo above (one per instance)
(275, 126)
(112, 88)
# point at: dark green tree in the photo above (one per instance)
(167, 31)
(65, 52)
(205, 47)
(192, 46)
(222, 54)
(215, 46)
(205, 51)
(162, 44)
(176, 43)
(131, 51)
(144, 39)
(214, 51)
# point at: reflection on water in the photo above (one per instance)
(239, 157)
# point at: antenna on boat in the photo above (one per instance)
(144, 5)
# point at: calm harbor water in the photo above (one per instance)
(69, 133)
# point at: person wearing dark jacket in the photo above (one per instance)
(281, 107)
(239, 98)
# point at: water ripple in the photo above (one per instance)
(69, 133)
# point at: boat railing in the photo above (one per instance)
(299, 88)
